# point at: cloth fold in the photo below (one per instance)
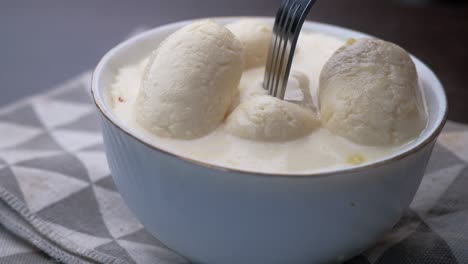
(58, 202)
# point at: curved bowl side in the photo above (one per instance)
(230, 217)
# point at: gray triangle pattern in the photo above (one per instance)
(80, 212)
(9, 182)
(456, 142)
(107, 183)
(53, 113)
(42, 141)
(143, 236)
(24, 115)
(89, 122)
(95, 163)
(14, 134)
(404, 228)
(12, 245)
(42, 188)
(28, 258)
(114, 249)
(74, 95)
(119, 220)
(449, 227)
(65, 163)
(442, 158)
(412, 251)
(449, 216)
(455, 198)
(87, 241)
(452, 126)
(73, 140)
(96, 147)
(148, 254)
(433, 186)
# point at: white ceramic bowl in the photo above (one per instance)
(215, 215)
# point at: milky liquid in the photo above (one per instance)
(318, 151)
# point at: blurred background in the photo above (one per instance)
(43, 43)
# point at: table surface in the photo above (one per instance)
(46, 42)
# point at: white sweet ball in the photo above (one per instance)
(255, 37)
(368, 93)
(189, 81)
(267, 118)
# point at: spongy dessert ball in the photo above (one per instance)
(255, 37)
(189, 81)
(368, 93)
(266, 118)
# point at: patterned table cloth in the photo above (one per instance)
(58, 202)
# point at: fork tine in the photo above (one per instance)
(272, 48)
(282, 41)
(279, 21)
(287, 44)
(286, 30)
(295, 32)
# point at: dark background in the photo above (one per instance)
(43, 43)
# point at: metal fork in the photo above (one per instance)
(286, 30)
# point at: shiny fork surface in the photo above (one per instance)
(286, 30)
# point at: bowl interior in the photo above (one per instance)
(136, 48)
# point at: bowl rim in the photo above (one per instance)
(105, 111)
